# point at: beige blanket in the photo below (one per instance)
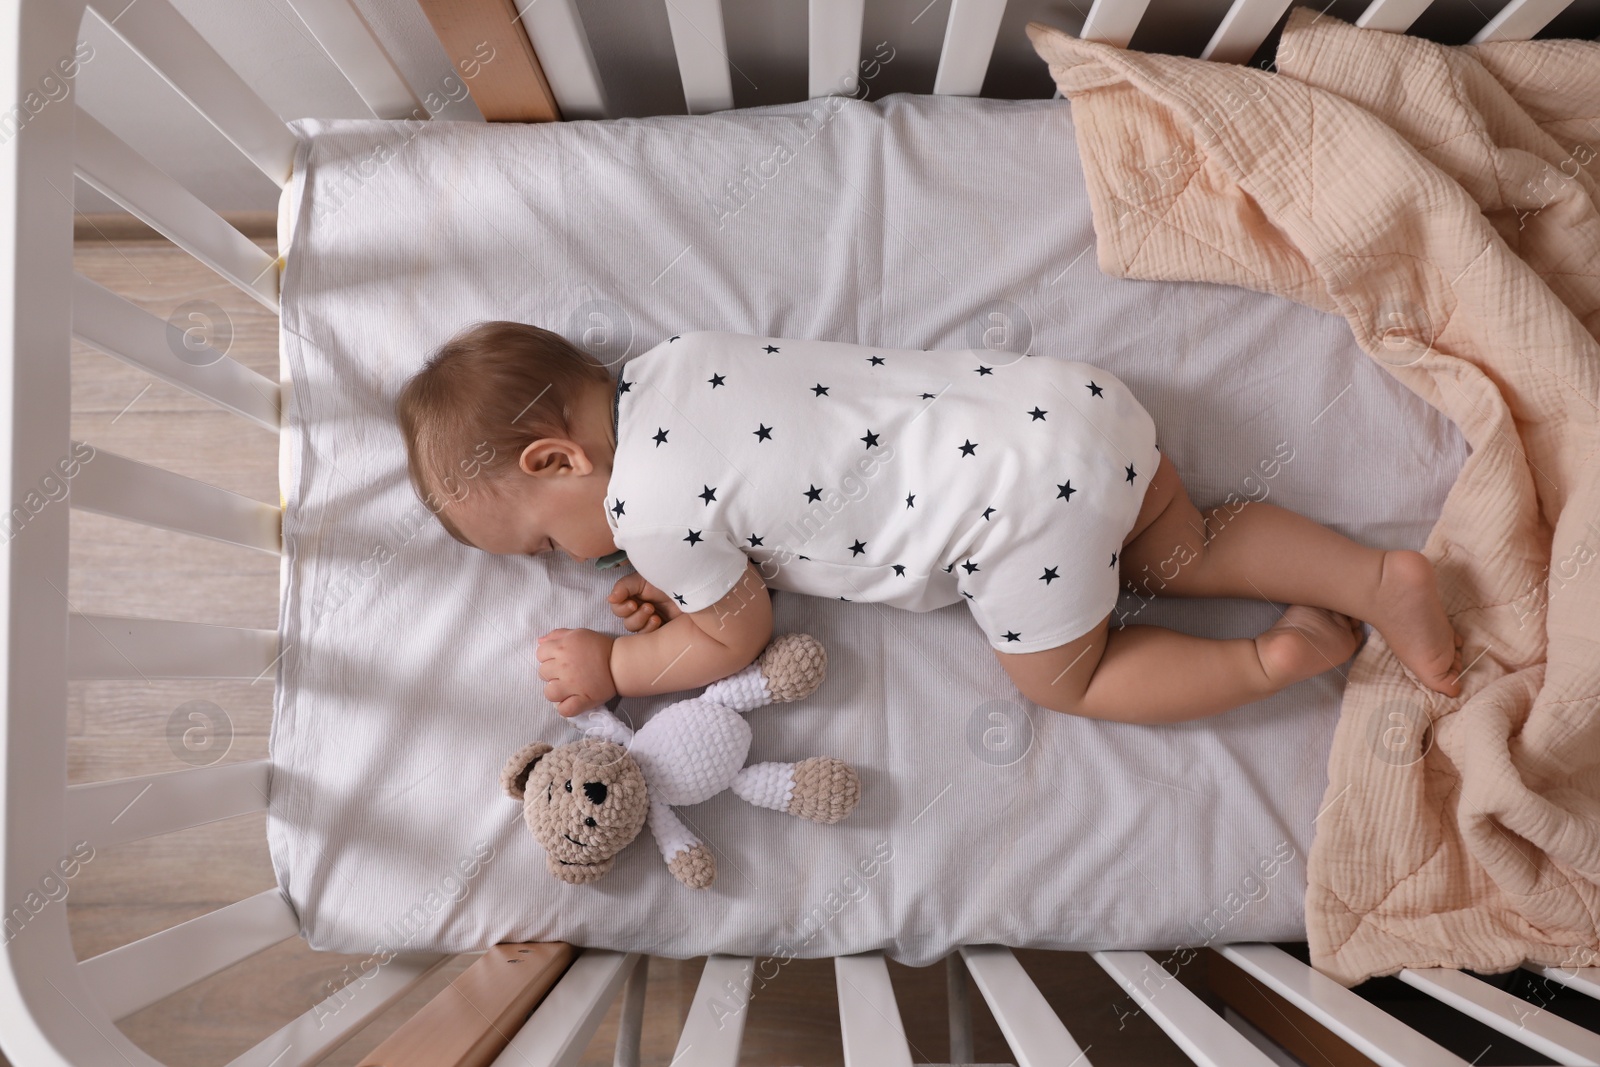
(1444, 200)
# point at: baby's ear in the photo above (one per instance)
(514, 776)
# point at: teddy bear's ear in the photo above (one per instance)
(514, 776)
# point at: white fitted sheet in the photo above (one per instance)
(409, 674)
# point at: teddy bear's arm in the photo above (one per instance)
(687, 856)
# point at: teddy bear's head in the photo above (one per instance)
(584, 801)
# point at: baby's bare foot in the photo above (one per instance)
(1411, 618)
(1306, 642)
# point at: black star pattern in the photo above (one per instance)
(986, 513)
(716, 380)
(929, 396)
(968, 449)
(769, 350)
(765, 433)
(660, 437)
(1038, 415)
(1113, 559)
(674, 337)
(813, 494)
(909, 500)
(694, 538)
(966, 594)
(859, 547)
(949, 568)
(616, 509)
(805, 557)
(1131, 473)
(1065, 490)
(982, 370)
(755, 542)
(1049, 575)
(844, 598)
(675, 596)
(820, 389)
(622, 386)
(1095, 390)
(709, 495)
(899, 570)
(1012, 635)
(876, 361)
(871, 439)
(969, 566)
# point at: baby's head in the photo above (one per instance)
(509, 442)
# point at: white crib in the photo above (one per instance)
(55, 1009)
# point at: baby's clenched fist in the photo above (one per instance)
(576, 668)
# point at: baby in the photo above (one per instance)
(1028, 487)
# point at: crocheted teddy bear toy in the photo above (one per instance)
(587, 799)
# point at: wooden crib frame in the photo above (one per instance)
(58, 1010)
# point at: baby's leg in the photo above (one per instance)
(1262, 552)
(1151, 675)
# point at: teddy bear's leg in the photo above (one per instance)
(822, 789)
(790, 668)
(688, 858)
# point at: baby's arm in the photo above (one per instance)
(696, 648)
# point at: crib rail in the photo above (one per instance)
(104, 647)
(106, 162)
(153, 496)
(123, 330)
(149, 805)
(172, 48)
(138, 974)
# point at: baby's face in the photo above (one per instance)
(534, 514)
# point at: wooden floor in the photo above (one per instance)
(118, 729)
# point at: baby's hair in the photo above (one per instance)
(480, 399)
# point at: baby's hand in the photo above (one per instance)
(576, 667)
(641, 606)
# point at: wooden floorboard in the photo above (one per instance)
(122, 728)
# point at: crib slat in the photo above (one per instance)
(148, 805)
(167, 42)
(473, 1017)
(123, 488)
(1372, 1031)
(101, 647)
(559, 1028)
(702, 50)
(123, 330)
(969, 38)
(1033, 1030)
(562, 45)
(958, 1007)
(869, 1018)
(1528, 1024)
(310, 1037)
(1201, 1033)
(1585, 980)
(835, 46)
(630, 1023)
(1242, 30)
(714, 1029)
(1519, 20)
(1113, 21)
(360, 57)
(1392, 16)
(135, 976)
(107, 163)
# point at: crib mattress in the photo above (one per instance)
(408, 674)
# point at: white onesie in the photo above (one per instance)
(894, 476)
